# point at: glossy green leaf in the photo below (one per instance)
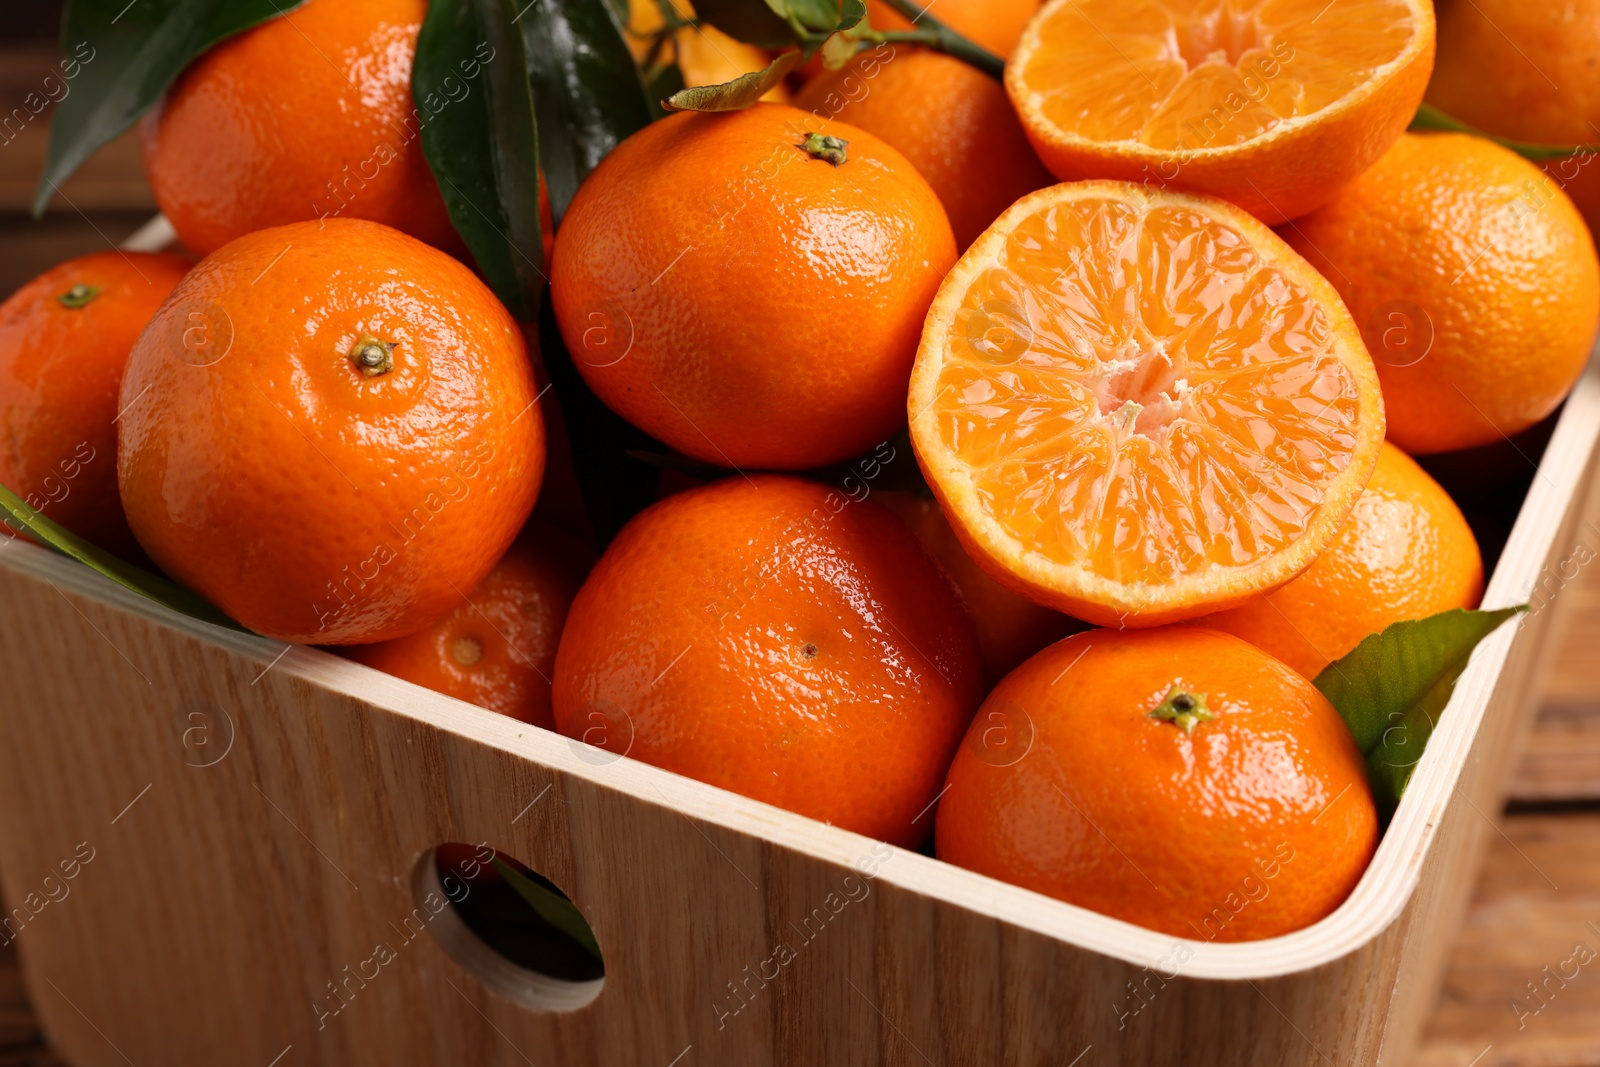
(553, 908)
(19, 514)
(1429, 117)
(851, 14)
(120, 57)
(481, 141)
(847, 39)
(816, 16)
(735, 95)
(587, 91)
(1393, 686)
(749, 21)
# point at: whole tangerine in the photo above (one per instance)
(1474, 281)
(1406, 552)
(749, 287)
(64, 343)
(992, 24)
(308, 115)
(953, 122)
(1526, 71)
(1177, 778)
(772, 637)
(336, 435)
(497, 649)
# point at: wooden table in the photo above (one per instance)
(105, 203)
(1538, 899)
(1539, 896)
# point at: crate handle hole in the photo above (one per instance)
(538, 954)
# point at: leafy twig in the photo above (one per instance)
(17, 512)
(943, 38)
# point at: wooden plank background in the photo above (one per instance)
(101, 205)
(1516, 994)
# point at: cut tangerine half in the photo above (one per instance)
(1271, 104)
(1136, 405)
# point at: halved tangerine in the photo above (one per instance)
(1272, 104)
(1136, 405)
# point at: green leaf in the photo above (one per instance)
(780, 24)
(748, 21)
(484, 153)
(851, 14)
(58, 537)
(122, 57)
(817, 16)
(1429, 117)
(847, 39)
(735, 95)
(1393, 686)
(553, 908)
(588, 93)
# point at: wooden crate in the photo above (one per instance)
(248, 827)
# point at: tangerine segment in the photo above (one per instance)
(1273, 104)
(1135, 405)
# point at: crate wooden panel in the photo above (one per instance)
(1539, 891)
(230, 896)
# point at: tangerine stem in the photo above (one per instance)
(1183, 709)
(78, 296)
(372, 356)
(824, 147)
